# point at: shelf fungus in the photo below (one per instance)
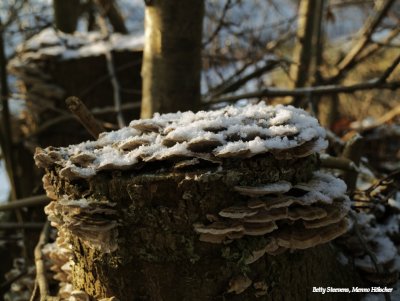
(186, 141)
(93, 221)
(183, 187)
(292, 216)
(259, 130)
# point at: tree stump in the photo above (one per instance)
(223, 205)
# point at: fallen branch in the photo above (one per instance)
(95, 111)
(380, 121)
(338, 163)
(310, 91)
(78, 108)
(39, 200)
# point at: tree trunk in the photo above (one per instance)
(172, 56)
(112, 12)
(302, 55)
(66, 14)
(158, 255)
(318, 51)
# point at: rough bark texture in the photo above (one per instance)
(66, 14)
(159, 255)
(112, 11)
(171, 61)
(302, 54)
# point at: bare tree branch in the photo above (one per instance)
(220, 24)
(39, 200)
(306, 91)
(11, 226)
(12, 14)
(380, 11)
(389, 70)
(78, 108)
(230, 86)
(373, 48)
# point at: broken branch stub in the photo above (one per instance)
(192, 187)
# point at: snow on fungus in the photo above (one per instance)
(288, 216)
(227, 133)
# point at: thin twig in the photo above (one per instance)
(389, 70)
(13, 14)
(112, 72)
(78, 108)
(234, 85)
(34, 292)
(375, 46)
(40, 266)
(221, 23)
(104, 78)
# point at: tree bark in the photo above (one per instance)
(112, 12)
(172, 56)
(302, 54)
(159, 255)
(66, 14)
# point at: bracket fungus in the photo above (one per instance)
(183, 186)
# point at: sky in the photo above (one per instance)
(4, 185)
